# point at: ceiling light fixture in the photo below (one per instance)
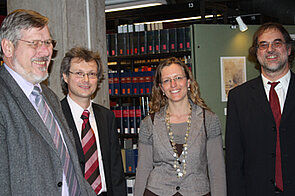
(180, 19)
(243, 27)
(120, 5)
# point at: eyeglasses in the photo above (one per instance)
(276, 44)
(168, 81)
(38, 43)
(80, 74)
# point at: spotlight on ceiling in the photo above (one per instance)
(243, 27)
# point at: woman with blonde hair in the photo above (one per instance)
(180, 143)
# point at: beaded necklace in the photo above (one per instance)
(177, 160)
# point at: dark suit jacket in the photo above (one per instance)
(109, 146)
(251, 141)
(29, 161)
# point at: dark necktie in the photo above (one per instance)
(276, 110)
(88, 141)
(54, 130)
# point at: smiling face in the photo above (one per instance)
(273, 61)
(174, 83)
(81, 89)
(32, 63)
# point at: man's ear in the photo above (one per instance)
(65, 77)
(7, 47)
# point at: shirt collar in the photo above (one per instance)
(26, 86)
(77, 110)
(284, 81)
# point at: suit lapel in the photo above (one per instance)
(259, 96)
(161, 130)
(69, 117)
(289, 102)
(101, 127)
(26, 106)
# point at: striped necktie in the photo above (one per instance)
(92, 174)
(54, 131)
(276, 110)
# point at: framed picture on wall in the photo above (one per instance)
(233, 73)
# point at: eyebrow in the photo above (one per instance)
(278, 39)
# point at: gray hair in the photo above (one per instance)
(18, 20)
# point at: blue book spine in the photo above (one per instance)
(116, 80)
(132, 119)
(131, 160)
(126, 121)
(129, 83)
(111, 83)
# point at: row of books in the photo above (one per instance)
(129, 159)
(128, 117)
(131, 83)
(129, 42)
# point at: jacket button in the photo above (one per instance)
(177, 188)
(59, 184)
(273, 155)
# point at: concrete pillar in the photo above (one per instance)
(72, 23)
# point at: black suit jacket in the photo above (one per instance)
(251, 141)
(109, 146)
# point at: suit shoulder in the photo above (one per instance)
(245, 86)
(101, 108)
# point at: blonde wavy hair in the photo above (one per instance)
(158, 100)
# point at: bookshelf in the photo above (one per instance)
(132, 59)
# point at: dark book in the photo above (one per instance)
(157, 40)
(123, 77)
(108, 44)
(187, 38)
(113, 44)
(116, 82)
(138, 117)
(121, 41)
(148, 82)
(142, 39)
(131, 160)
(164, 41)
(126, 121)
(151, 42)
(180, 39)
(135, 83)
(129, 83)
(136, 40)
(173, 40)
(132, 119)
(111, 83)
(118, 115)
(130, 37)
(141, 82)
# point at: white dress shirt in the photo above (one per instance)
(77, 111)
(281, 88)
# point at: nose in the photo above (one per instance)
(86, 77)
(172, 82)
(270, 47)
(44, 50)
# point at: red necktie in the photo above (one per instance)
(276, 110)
(88, 141)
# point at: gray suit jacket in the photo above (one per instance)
(29, 162)
(161, 177)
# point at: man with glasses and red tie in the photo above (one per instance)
(260, 125)
(37, 154)
(93, 126)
